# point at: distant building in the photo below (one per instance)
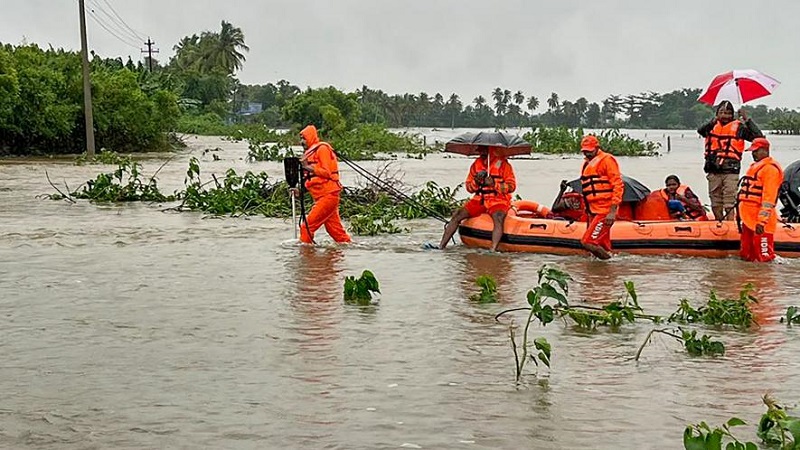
(249, 109)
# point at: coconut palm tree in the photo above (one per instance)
(519, 97)
(224, 49)
(553, 102)
(533, 104)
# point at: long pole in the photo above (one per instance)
(87, 85)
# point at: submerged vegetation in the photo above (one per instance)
(549, 301)
(565, 140)
(488, 292)
(360, 290)
(369, 209)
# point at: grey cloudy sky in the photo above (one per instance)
(574, 48)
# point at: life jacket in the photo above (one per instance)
(325, 177)
(597, 190)
(750, 201)
(751, 188)
(692, 213)
(501, 172)
(723, 148)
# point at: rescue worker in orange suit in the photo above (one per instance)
(758, 195)
(687, 204)
(321, 175)
(492, 186)
(724, 143)
(602, 188)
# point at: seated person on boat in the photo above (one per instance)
(492, 180)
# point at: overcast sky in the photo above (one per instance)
(574, 48)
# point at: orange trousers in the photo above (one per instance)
(324, 212)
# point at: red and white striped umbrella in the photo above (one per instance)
(738, 87)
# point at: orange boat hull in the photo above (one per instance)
(708, 239)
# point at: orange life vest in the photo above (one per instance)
(751, 188)
(328, 183)
(723, 148)
(692, 213)
(596, 187)
(324, 179)
(758, 195)
(501, 172)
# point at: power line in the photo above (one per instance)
(137, 34)
(120, 38)
(113, 22)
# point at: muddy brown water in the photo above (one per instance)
(122, 326)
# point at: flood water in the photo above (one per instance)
(122, 326)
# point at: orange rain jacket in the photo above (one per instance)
(601, 183)
(758, 195)
(504, 180)
(324, 179)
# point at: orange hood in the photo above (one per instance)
(311, 136)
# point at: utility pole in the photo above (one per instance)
(87, 84)
(150, 52)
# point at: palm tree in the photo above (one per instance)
(533, 103)
(519, 97)
(499, 103)
(223, 50)
(553, 102)
(581, 105)
(479, 101)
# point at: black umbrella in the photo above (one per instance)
(503, 144)
(789, 193)
(634, 190)
(791, 178)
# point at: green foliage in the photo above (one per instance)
(269, 152)
(370, 225)
(359, 290)
(369, 210)
(366, 141)
(488, 293)
(717, 311)
(235, 195)
(703, 346)
(212, 51)
(777, 427)
(792, 316)
(104, 157)
(315, 105)
(562, 140)
(43, 88)
(207, 124)
(701, 437)
(553, 286)
(123, 185)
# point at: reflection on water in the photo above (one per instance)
(125, 327)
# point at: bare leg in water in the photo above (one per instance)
(452, 226)
(499, 218)
(597, 251)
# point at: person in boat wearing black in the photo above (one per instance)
(683, 204)
(724, 144)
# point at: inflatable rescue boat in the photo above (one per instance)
(523, 232)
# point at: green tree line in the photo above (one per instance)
(196, 91)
